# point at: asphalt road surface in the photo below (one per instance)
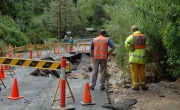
(38, 92)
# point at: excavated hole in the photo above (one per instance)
(74, 61)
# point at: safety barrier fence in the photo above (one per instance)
(40, 47)
(43, 64)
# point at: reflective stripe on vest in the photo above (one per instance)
(100, 47)
(137, 56)
(139, 41)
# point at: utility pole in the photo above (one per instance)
(59, 20)
(60, 7)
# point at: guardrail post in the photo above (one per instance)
(85, 46)
(30, 53)
(10, 48)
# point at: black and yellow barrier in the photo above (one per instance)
(52, 65)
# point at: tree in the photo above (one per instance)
(61, 17)
(93, 13)
(11, 33)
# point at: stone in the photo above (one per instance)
(124, 104)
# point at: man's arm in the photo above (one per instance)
(92, 50)
(92, 53)
(111, 44)
(112, 49)
(128, 43)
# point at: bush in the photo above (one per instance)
(11, 33)
(160, 23)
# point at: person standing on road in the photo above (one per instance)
(71, 42)
(65, 39)
(99, 53)
(136, 44)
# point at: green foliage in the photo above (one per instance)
(61, 16)
(42, 19)
(37, 32)
(171, 40)
(119, 29)
(93, 13)
(3, 7)
(159, 20)
(3, 45)
(11, 32)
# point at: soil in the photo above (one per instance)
(163, 95)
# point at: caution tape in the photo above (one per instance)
(52, 65)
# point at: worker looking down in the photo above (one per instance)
(99, 53)
(136, 44)
(71, 42)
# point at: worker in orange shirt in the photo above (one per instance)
(99, 53)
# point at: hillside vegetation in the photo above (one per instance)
(25, 21)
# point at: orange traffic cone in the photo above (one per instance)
(9, 55)
(19, 55)
(59, 51)
(37, 54)
(2, 73)
(10, 48)
(54, 50)
(15, 91)
(87, 96)
(5, 67)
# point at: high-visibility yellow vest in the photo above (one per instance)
(138, 54)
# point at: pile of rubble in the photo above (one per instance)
(46, 72)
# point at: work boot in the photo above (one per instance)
(135, 88)
(144, 87)
(102, 88)
(91, 87)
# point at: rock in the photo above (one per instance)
(126, 86)
(79, 76)
(116, 100)
(112, 81)
(123, 104)
(85, 76)
(115, 91)
(110, 91)
(161, 95)
(45, 72)
(108, 105)
(90, 68)
(48, 58)
(172, 87)
(178, 80)
(178, 92)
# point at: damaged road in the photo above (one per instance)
(38, 91)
